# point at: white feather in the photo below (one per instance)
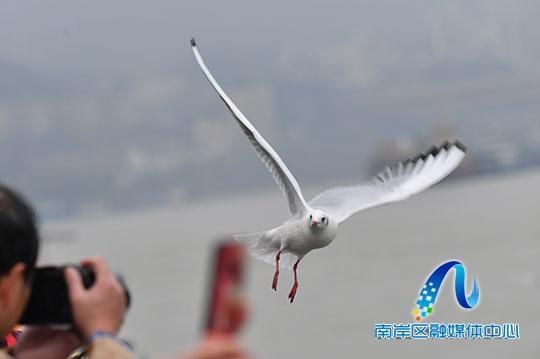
(283, 177)
(392, 184)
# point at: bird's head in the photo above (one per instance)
(318, 219)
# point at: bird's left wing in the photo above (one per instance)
(392, 184)
(283, 177)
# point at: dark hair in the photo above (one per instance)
(19, 238)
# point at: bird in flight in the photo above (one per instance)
(314, 224)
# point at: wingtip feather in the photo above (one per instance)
(460, 146)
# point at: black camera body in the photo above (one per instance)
(49, 301)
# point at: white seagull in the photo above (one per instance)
(314, 224)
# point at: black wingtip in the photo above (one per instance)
(446, 145)
(461, 146)
(433, 150)
(193, 43)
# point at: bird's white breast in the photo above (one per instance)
(299, 238)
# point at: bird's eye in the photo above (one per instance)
(323, 219)
(310, 217)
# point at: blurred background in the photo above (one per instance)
(108, 126)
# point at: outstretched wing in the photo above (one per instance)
(392, 184)
(283, 177)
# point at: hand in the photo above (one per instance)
(232, 316)
(100, 307)
(221, 343)
(46, 343)
(218, 347)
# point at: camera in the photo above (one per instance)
(49, 301)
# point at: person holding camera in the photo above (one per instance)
(98, 311)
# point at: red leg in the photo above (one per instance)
(276, 273)
(292, 294)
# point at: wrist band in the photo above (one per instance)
(100, 334)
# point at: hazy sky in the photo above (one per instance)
(100, 101)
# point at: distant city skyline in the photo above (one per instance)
(103, 107)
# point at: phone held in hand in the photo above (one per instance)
(226, 286)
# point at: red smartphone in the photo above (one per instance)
(226, 287)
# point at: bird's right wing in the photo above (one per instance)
(283, 177)
(392, 184)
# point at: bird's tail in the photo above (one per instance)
(261, 246)
(258, 245)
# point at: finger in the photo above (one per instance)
(237, 313)
(227, 349)
(98, 264)
(214, 347)
(73, 281)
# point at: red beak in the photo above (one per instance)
(314, 223)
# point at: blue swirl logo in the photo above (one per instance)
(429, 292)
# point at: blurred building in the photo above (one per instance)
(496, 152)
